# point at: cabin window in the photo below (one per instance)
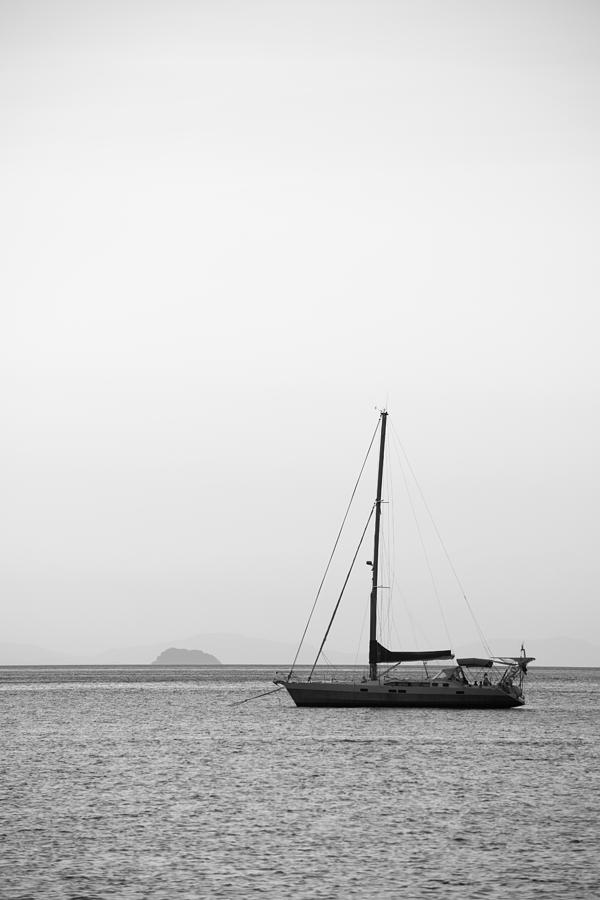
(459, 692)
(364, 689)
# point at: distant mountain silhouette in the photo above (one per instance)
(31, 655)
(230, 649)
(175, 656)
(236, 649)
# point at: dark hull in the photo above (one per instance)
(378, 695)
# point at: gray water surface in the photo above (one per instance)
(146, 782)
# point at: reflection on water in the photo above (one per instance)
(145, 782)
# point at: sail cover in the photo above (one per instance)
(379, 653)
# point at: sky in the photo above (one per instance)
(231, 233)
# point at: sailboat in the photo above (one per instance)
(459, 685)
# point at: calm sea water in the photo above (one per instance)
(144, 782)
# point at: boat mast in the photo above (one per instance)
(373, 612)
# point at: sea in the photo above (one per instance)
(148, 782)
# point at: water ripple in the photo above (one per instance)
(136, 784)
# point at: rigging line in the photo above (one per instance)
(384, 599)
(393, 557)
(385, 589)
(394, 630)
(381, 609)
(362, 629)
(334, 549)
(484, 642)
(393, 578)
(341, 592)
(392, 552)
(411, 622)
(425, 554)
(248, 699)
(328, 662)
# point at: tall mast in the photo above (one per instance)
(373, 612)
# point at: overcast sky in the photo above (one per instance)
(229, 231)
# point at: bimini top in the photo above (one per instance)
(475, 662)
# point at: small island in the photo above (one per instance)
(180, 657)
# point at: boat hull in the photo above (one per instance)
(374, 694)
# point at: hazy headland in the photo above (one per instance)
(236, 649)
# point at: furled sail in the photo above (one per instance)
(380, 654)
